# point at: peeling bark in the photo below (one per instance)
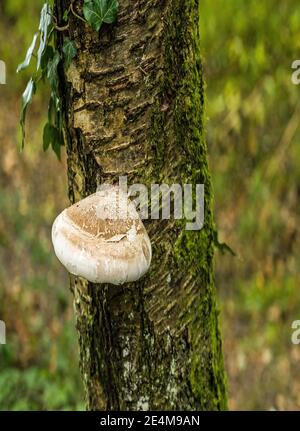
(134, 101)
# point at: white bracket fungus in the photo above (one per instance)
(103, 239)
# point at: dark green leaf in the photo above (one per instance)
(26, 100)
(46, 57)
(53, 136)
(69, 50)
(97, 12)
(47, 136)
(52, 73)
(29, 53)
(45, 22)
(57, 143)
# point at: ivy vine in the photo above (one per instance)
(48, 58)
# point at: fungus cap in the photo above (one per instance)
(103, 239)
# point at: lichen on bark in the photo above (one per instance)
(134, 105)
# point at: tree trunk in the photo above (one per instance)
(134, 105)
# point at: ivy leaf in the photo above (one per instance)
(46, 57)
(52, 136)
(47, 136)
(26, 100)
(97, 12)
(69, 50)
(29, 53)
(45, 22)
(52, 73)
(57, 143)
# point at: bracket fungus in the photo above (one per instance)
(102, 238)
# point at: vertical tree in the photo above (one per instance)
(133, 101)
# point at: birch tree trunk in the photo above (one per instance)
(134, 105)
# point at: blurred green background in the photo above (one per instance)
(39, 363)
(253, 113)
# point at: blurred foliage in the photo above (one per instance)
(39, 364)
(253, 138)
(19, 19)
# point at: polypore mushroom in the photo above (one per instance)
(103, 239)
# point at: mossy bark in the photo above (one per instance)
(134, 105)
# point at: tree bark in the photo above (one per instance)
(134, 105)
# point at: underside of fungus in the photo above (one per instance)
(103, 239)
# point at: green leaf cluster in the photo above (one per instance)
(48, 60)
